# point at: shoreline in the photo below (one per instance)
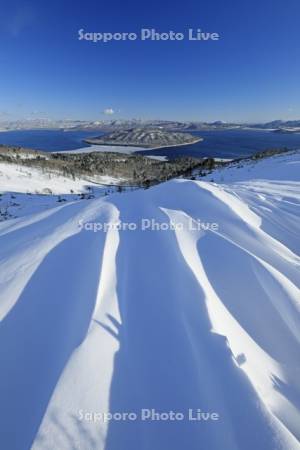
(111, 149)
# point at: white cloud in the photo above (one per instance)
(109, 111)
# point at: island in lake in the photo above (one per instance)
(145, 137)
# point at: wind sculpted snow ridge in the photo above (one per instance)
(175, 319)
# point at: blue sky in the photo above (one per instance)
(251, 74)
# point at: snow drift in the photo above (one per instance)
(168, 320)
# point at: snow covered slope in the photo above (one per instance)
(18, 178)
(177, 318)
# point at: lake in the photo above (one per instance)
(217, 144)
(231, 144)
(47, 140)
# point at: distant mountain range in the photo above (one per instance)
(112, 125)
(183, 126)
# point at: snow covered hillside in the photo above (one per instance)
(17, 178)
(179, 318)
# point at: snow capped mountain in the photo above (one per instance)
(193, 309)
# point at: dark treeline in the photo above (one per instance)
(133, 169)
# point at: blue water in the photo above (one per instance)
(218, 144)
(47, 140)
(231, 144)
